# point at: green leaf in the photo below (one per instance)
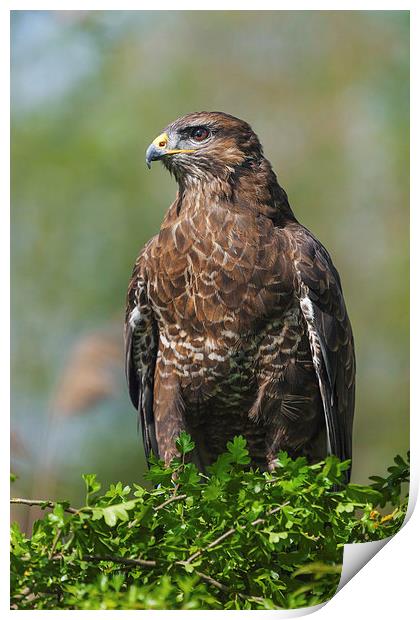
(213, 490)
(111, 514)
(283, 459)
(139, 492)
(184, 443)
(363, 494)
(158, 474)
(189, 475)
(92, 485)
(345, 507)
(237, 449)
(274, 537)
(57, 516)
(221, 469)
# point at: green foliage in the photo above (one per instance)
(235, 538)
(390, 487)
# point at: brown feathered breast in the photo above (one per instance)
(236, 322)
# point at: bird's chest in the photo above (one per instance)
(226, 370)
(216, 272)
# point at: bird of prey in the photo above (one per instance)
(235, 320)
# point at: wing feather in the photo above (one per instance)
(141, 344)
(330, 335)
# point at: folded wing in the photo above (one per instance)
(331, 338)
(141, 343)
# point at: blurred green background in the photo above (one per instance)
(328, 95)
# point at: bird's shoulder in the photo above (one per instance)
(314, 268)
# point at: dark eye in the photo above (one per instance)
(200, 133)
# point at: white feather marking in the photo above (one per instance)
(307, 308)
(190, 347)
(315, 345)
(164, 341)
(229, 333)
(216, 357)
(134, 317)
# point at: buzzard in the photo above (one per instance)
(235, 320)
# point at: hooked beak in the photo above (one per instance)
(153, 153)
(158, 149)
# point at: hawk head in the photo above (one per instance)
(204, 145)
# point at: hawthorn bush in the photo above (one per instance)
(236, 538)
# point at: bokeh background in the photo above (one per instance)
(328, 94)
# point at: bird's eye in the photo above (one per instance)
(200, 133)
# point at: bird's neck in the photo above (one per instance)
(251, 187)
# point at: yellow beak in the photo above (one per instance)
(158, 149)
